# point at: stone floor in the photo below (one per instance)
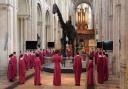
(47, 78)
(67, 82)
(66, 79)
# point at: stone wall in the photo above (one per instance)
(111, 22)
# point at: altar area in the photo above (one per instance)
(65, 68)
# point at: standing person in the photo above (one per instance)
(68, 51)
(26, 60)
(10, 72)
(100, 75)
(90, 78)
(15, 63)
(105, 66)
(96, 56)
(77, 67)
(64, 58)
(56, 58)
(37, 67)
(22, 70)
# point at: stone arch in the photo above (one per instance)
(77, 2)
(89, 13)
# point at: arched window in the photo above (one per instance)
(84, 17)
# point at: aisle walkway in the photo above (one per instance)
(67, 82)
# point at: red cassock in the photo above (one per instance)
(26, 60)
(22, 71)
(40, 57)
(90, 79)
(57, 72)
(96, 57)
(77, 67)
(100, 70)
(68, 52)
(43, 60)
(92, 54)
(32, 61)
(29, 61)
(37, 67)
(105, 67)
(10, 72)
(15, 65)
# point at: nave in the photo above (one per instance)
(67, 82)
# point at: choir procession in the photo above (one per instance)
(63, 44)
(97, 60)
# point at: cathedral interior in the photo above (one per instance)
(47, 23)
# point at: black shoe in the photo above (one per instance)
(77, 84)
(11, 80)
(39, 84)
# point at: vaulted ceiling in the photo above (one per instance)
(77, 2)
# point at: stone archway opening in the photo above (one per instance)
(84, 26)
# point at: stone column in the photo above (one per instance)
(22, 34)
(126, 32)
(110, 18)
(34, 20)
(116, 36)
(29, 29)
(26, 34)
(124, 46)
(99, 3)
(6, 35)
(104, 19)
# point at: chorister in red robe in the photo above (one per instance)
(96, 57)
(105, 67)
(77, 67)
(68, 51)
(37, 67)
(26, 61)
(90, 79)
(15, 63)
(29, 60)
(22, 70)
(10, 72)
(32, 60)
(100, 72)
(43, 60)
(57, 72)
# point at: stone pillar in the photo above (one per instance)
(126, 32)
(6, 35)
(99, 3)
(110, 18)
(22, 34)
(29, 28)
(124, 46)
(104, 19)
(116, 36)
(26, 34)
(34, 20)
